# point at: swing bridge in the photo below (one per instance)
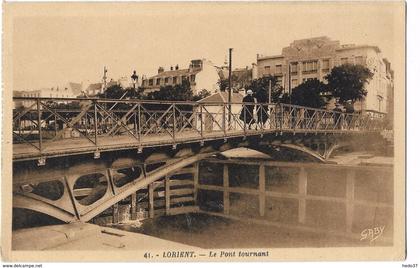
(75, 159)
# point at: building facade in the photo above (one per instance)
(314, 58)
(201, 74)
(69, 90)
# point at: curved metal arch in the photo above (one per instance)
(269, 150)
(151, 177)
(304, 150)
(20, 201)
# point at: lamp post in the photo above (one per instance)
(134, 79)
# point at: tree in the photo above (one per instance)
(223, 84)
(112, 92)
(309, 94)
(260, 88)
(180, 92)
(201, 95)
(347, 82)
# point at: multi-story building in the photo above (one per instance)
(69, 90)
(241, 77)
(201, 74)
(314, 58)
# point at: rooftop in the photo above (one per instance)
(175, 73)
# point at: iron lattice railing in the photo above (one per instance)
(41, 122)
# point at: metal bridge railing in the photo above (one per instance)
(39, 122)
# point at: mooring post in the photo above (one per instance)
(226, 202)
(134, 206)
(349, 199)
(167, 195)
(262, 190)
(151, 205)
(303, 186)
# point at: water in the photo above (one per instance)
(208, 232)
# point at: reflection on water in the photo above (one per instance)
(206, 231)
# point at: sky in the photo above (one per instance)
(55, 44)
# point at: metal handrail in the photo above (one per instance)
(141, 118)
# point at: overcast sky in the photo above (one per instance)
(73, 44)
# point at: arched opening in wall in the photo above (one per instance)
(342, 150)
(90, 188)
(26, 218)
(154, 166)
(243, 152)
(293, 155)
(126, 175)
(52, 190)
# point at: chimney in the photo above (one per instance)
(161, 70)
(176, 67)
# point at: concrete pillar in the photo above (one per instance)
(226, 202)
(196, 172)
(303, 188)
(262, 190)
(151, 205)
(115, 213)
(134, 206)
(349, 199)
(167, 195)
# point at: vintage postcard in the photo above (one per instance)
(203, 131)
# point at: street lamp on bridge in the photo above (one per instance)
(134, 79)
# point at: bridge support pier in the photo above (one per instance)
(303, 187)
(196, 167)
(226, 201)
(115, 213)
(261, 182)
(134, 206)
(350, 199)
(167, 195)
(151, 203)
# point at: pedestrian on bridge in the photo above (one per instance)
(247, 112)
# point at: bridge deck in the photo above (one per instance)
(42, 128)
(81, 145)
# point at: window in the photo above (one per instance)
(279, 80)
(359, 60)
(310, 67)
(192, 78)
(294, 67)
(279, 69)
(344, 60)
(294, 83)
(174, 80)
(151, 82)
(184, 78)
(266, 69)
(157, 81)
(307, 79)
(326, 65)
(166, 80)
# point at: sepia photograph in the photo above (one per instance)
(204, 131)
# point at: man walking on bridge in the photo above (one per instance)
(247, 112)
